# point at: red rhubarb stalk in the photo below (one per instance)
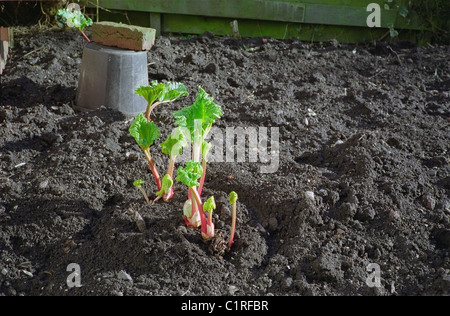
(85, 36)
(232, 199)
(153, 169)
(198, 201)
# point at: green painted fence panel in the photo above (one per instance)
(279, 19)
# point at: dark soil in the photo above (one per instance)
(363, 178)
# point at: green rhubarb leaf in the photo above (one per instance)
(174, 144)
(203, 109)
(232, 197)
(152, 92)
(167, 184)
(144, 132)
(173, 91)
(209, 205)
(138, 183)
(190, 174)
(162, 92)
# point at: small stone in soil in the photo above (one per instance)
(232, 289)
(428, 202)
(124, 276)
(394, 216)
(43, 185)
(140, 223)
(310, 195)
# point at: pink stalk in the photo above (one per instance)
(196, 149)
(87, 38)
(168, 196)
(150, 109)
(195, 207)
(155, 173)
(233, 200)
(199, 203)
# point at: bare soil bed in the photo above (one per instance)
(363, 176)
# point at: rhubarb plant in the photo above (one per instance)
(73, 18)
(145, 133)
(198, 119)
(194, 123)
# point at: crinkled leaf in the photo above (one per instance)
(209, 205)
(167, 183)
(203, 109)
(144, 132)
(174, 144)
(162, 92)
(173, 91)
(190, 174)
(152, 92)
(138, 183)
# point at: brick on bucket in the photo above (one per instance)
(123, 36)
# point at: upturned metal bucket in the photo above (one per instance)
(109, 77)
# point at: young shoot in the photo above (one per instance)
(208, 207)
(145, 133)
(232, 199)
(138, 184)
(158, 93)
(191, 219)
(189, 176)
(73, 18)
(173, 146)
(166, 187)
